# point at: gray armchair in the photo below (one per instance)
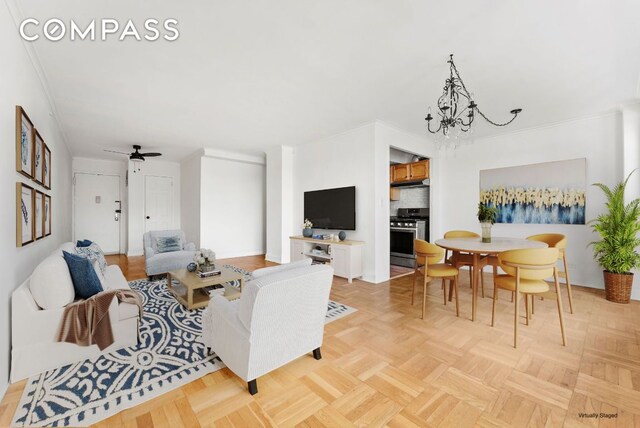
(157, 263)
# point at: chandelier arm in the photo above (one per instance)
(453, 66)
(494, 123)
(436, 131)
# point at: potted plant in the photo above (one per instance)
(616, 251)
(307, 232)
(487, 217)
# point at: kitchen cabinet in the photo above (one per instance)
(401, 172)
(414, 171)
(394, 194)
(419, 170)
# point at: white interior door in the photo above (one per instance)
(158, 203)
(96, 199)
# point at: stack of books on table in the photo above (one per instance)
(208, 274)
(215, 289)
(323, 237)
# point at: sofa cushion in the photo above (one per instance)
(164, 262)
(93, 251)
(50, 284)
(83, 243)
(168, 244)
(259, 273)
(85, 281)
(69, 247)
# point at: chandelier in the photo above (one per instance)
(456, 106)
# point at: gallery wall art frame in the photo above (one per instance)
(38, 215)
(542, 193)
(25, 202)
(46, 212)
(46, 167)
(25, 139)
(38, 157)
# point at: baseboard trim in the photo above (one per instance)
(234, 254)
(273, 259)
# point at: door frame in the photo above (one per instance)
(144, 199)
(73, 207)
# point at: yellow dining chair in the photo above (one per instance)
(559, 241)
(427, 257)
(463, 259)
(526, 271)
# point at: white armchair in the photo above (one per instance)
(156, 263)
(279, 317)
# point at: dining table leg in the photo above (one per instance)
(474, 286)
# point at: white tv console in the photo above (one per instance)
(344, 256)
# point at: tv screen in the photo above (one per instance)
(331, 208)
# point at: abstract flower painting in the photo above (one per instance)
(544, 193)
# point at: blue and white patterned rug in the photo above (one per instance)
(169, 355)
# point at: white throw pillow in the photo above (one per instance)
(51, 285)
(99, 274)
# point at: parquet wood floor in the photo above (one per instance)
(384, 366)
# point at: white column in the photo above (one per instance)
(279, 202)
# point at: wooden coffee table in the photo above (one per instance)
(190, 292)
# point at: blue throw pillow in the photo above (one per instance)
(85, 280)
(167, 244)
(83, 243)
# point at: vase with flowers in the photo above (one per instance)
(205, 259)
(307, 230)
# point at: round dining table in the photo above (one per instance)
(478, 249)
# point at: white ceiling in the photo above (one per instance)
(248, 74)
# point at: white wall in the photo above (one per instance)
(190, 188)
(136, 219)
(279, 203)
(598, 139)
(108, 167)
(20, 85)
(631, 162)
(343, 160)
(233, 204)
(358, 157)
(388, 137)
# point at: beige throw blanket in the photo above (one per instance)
(87, 322)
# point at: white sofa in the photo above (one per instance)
(159, 263)
(34, 348)
(279, 317)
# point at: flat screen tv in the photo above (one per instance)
(331, 208)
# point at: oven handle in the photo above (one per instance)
(403, 229)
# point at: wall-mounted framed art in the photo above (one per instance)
(46, 167)
(38, 215)
(24, 143)
(542, 193)
(25, 226)
(38, 157)
(47, 215)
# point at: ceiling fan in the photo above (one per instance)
(136, 156)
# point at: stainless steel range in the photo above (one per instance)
(410, 224)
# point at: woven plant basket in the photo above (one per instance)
(617, 286)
